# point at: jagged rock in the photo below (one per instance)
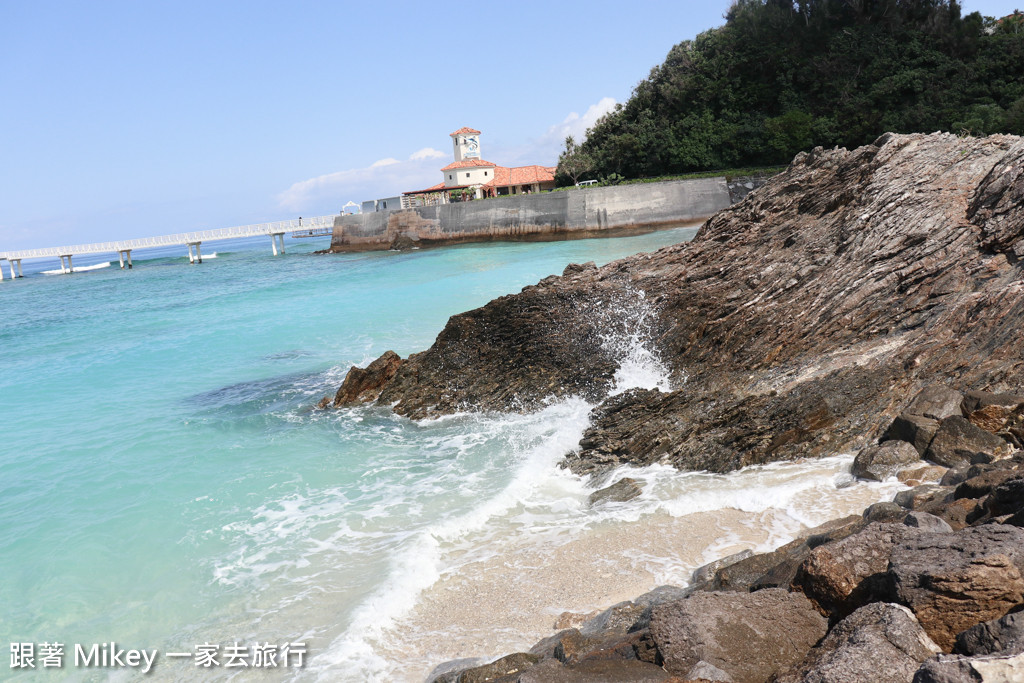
(779, 567)
(886, 511)
(839, 577)
(595, 671)
(885, 460)
(623, 490)
(976, 400)
(958, 442)
(920, 496)
(959, 669)
(364, 384)
(1007, 497)
(801, 318)
(936, 401)
(879, 643)
(617, 619)
(927, 522)
(705, 574)
(499, 668)
(998, 636)
(954, 581)
(725, 629)
(914, 429)
(982, 484)
(991, 418)
(448, 672)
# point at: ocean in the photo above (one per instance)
(165, 483)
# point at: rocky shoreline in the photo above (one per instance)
(866, 300)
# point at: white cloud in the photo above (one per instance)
(546, 148)
(576, 125)
(383, 178)
(427, 153)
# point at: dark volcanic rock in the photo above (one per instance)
(596, 671)
(879, 643)
(885, 460)
(499, 669)
(748, 636)
(914, 429)
(365, 384)
(998, 636)
(958, 442)
(927, 522)
(955, 581)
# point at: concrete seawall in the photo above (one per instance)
(583, 212)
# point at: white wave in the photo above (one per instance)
(627, 338)
(79, 269)
(539, 441)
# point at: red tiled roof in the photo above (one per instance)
(522, 175)
(468, 163)
(432, 188)
(464, 131)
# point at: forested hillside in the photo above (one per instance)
(782, 76)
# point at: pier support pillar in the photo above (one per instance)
(126, 255)
(273, 241)
(66, 268)
(2, 272)
(198, 257)
(15, 262)
(18, 261)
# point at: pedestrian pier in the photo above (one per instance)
(301, 227)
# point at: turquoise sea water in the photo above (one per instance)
(164, 482)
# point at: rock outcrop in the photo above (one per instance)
(796, 323)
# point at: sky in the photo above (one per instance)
(125, 119)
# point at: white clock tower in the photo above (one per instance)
(466, 144)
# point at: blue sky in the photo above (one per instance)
(129, 119)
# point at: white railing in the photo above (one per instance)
(172, 240)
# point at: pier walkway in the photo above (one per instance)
(301, 227)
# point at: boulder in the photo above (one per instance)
(705, 574)
(927, 522)
(623, 490)
(365, 384)
(955, 581)
(936, 401)
(499, 668)
(998, 636)
(982, 484)
(976, 400)
(839, 577)
(921, 475)
(751, 637)
(779, 567)
(914, 429)
(958, 442)
(880, 462)
(448, 672)
(596, 671)
(1007, 497)
(879, 643)
(959, 669)
(991, 418)
(886, 511)
(921, 496)
(702, 671)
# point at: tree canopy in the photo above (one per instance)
(783, 76)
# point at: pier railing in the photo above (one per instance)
(278, 228)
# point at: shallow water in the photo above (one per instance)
(165, 483)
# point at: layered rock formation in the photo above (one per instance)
(793, 325)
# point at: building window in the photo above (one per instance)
(467, 175)
(449, 176)
(485, 173)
